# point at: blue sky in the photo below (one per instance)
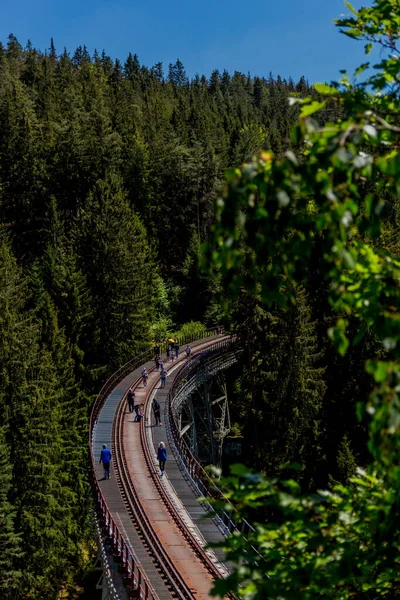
(289, 38)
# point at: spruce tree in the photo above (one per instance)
(31, 395)
(282, 387)
(118, 264)
(10, 542)
(177, 74)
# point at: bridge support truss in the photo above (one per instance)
(204, 419)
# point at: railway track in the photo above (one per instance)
(146, 532)
(152, 532)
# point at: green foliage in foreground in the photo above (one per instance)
(337, 188)
(339, 544)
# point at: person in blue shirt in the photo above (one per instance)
(105, 458)
(162, 457)
(139, 412)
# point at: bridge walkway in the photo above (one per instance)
(112, 494)
(174, 478)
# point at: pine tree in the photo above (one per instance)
(285, 387)
(10, 542)
(132, 68)
(14, 54)
(52, 51)
(346, 461)
(117, 262)
(21, 169)
(177, 74)
(43, 502)
(31, 395)
(195, 296)
(306, 389)
(158, 72)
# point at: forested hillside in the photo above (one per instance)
(108, 172)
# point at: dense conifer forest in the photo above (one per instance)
(108, 172)
(108, 175)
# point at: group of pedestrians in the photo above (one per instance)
(172, 352)
(132, 407)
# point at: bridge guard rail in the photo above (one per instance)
(202, 482)
(134, 578)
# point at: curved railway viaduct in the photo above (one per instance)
(153, 531)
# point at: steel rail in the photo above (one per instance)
(142, 524)
(138, 515)
(174, 512)
(136, 362)
(134, 577)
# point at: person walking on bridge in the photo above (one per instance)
(156, 409)
(105, 458)
(162, 457)
(163, 374)
(131, 399)
(145, 376)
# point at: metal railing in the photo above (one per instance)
(204, 370)
(111, 590)
(203, 484)
(134, 577)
